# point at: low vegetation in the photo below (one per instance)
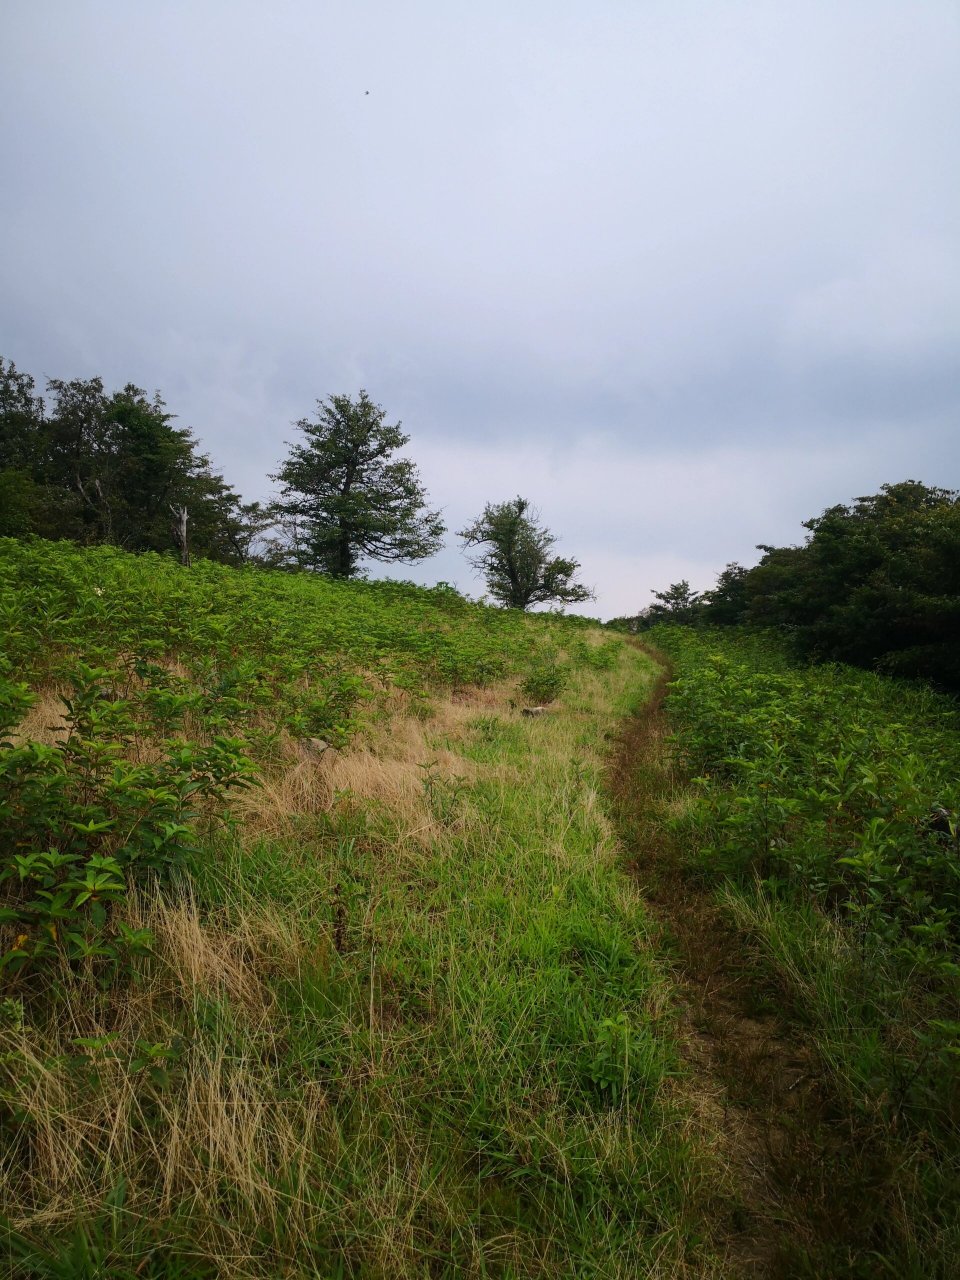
(318, 958)
(823, 803)
(111, 469)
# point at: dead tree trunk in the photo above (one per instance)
(180, 518)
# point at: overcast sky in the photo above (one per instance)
(682, 274)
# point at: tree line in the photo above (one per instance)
(96, 467)
(875, 584)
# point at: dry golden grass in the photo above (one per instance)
(223, 1117)
(226, 1120)
(44, 721)
(386, 767)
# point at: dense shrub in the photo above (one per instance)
(835, 780)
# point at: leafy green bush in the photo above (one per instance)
(250, 638)
(545, 682)
(83, 819)
(875, 584)
(831, 780)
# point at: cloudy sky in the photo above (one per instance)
(681, 273)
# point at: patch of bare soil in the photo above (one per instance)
(802, 1177)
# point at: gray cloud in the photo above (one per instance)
(715, 244)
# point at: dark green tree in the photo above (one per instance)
(344, 496)
(679, 603)
(21, 420)
(515, 556)
(876, 584)
(21, 504)
(102, 467)
(22, 444)
(728, 601)
(78, 458)
(137, 480)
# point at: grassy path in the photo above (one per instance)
(418, 1023)
(415, 1019)
(741, 1062)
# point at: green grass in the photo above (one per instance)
(392, 1007)
(401, 1014)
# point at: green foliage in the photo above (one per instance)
(99, 467)
(626, 1061)
(828, 800)
(598, 657)
(21, 419)
(20, 501)
(545, 681)
(448, 1048)
(241, 643)
(516, 558)
(678, 604)
(834, 780)
(344, 499)
(80, 821)
(876, 584)
(171, 679)
(728, 602)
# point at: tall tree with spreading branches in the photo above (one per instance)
(345, 497)
(514, 555)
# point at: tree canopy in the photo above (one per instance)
(875, 584)
(678, 604)
(515, 557)
(96, 467)
(344, 496)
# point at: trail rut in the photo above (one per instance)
(795, 1162)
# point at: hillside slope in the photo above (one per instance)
(318, 959)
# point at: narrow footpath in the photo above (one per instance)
(797, 1168)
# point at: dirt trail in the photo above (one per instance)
(792, 1159)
